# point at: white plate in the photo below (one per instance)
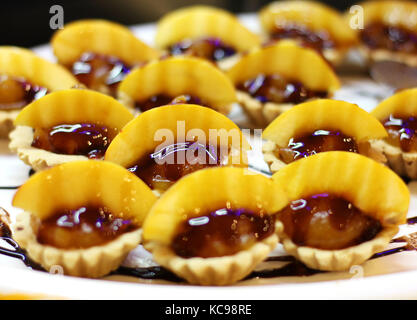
(393, 276)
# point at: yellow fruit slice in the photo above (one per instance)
(401, 104)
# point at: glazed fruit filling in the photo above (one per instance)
(83, 227)
(161, 169)
(163, 99)
(392, 38)
(15, 93)
(274, 88)
(100, 72)
(316, 142)
(402, 132)
(212, 49)
(221, 233)
(328, 222)
(318, 41)
(87, 139)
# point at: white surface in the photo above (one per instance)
(383, 278)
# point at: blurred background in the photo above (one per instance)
(26, 22)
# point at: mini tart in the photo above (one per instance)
(23, 65)
(401, 105)
(74, 185)
(198, 22)
(313, 20)
(72, 106)
(195, 196)
(400, 17)
(369, 186)
(162, 127)
(177, 76)
(289, 61)
(101, 38)
(324, 115)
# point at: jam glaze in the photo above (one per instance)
(163, 99)
(402, 132)
(221, 233)
(318, 41)
(212, 49)
(87, 139)
(316, 142)
(161, 169)
(83, 227)
(393, 38)
(15, 93)
(274, 88)
(100, 72)
(328, 222)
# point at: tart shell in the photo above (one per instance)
(93, 262)
(218, 271)
(21, 143)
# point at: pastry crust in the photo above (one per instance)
(93, 262)
(403, 163)
(217, 271)
(21, 143)
(336, 260)
(375, 55)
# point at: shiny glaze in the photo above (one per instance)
(318, 41)
(212, 49)
(328, 222)
(85, 139)
(15, 93)
(274, 88)
(100, 72)
(393, 38)
(83, 227)
(318, 141)
(221, 233)
(402, 132)
(161, 169)
(163, 99)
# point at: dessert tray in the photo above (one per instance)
(391, 274)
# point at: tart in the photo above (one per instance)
(177, 80)
(215, 225)
(100, 53)
(343, 208)
(310, 24)
(164, 144)
(320, 126)
(390, 31)
(272, 79)
(398, 115)
(68, 125)
(206, 32)
(91, 221)
(25, 77)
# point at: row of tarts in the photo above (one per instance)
(210, 226)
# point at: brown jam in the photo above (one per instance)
(83, 227)
(318, 41)
(212, 49)
(318, 141)
(221, 233)
(15, 93)
(402, 132)
(328, 222)
(274, 88)
(162, 99)
(392, 38)
(90, 140)
(100, 72)
(161, 169)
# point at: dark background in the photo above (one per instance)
(26, 22)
